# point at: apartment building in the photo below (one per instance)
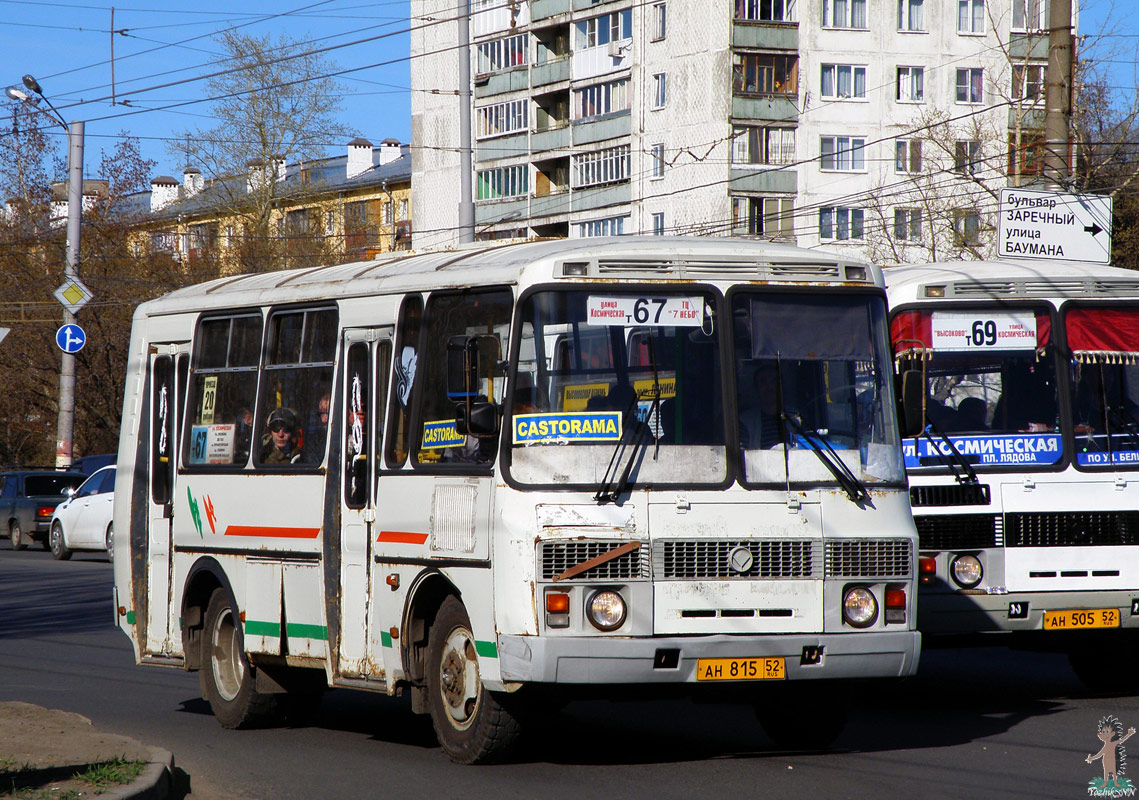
(880, 127)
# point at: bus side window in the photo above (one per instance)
(162, 423)
(485, 318)
(356, 396)
(403, 381)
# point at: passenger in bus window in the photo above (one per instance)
(759, 425)
(244, 436)
(279, 445)
(316, 433)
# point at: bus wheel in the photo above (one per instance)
(807, 716)
(1107, 670)
(226, 677)
(471, 723)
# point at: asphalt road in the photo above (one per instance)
(974, 723)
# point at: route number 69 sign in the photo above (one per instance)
(983, 330)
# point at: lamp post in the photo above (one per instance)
(65, 425)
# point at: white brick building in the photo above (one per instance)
(879, 126)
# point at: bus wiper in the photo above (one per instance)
(831, 460)
(962, 470)
(609, 491)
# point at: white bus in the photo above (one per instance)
(536, 477)
(1025, 483)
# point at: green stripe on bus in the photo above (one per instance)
(385, 639)
(255, 628)
(486, 649)
(130, 618)
(308, 631)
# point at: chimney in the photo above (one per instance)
(390, 150)
(256, 176)
(163, 192)
(279, 168)
(192, 181)
(359, 157)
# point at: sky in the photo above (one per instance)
(66, 45)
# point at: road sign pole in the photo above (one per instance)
(65, 425)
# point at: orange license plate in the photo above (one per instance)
(1080, 620)
(740, 669)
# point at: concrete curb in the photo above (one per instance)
(153, 784)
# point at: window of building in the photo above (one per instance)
(907, 225)
(763, 216)
(765, 73)
(1029, 159)
(361, 224)
(495, 184)
(970, 85)
(1027, 81)
(600, 31)
(765, 10)
(758, 145)
(501, 119)
(657, 155)
(660, 21)
(202, 237)
(845, 14)
(601, 98)
(658, 223)
(967, 157)
(839, 223)
(610, 226)
(911, 84)
(230, 240)
(511, 51)
(907, 155)
(403, 210)
(660, 90)
(843, 153)
(1029, 15)
(329, 222)
(843, 82)
(971, 16)
(602, 166)
(967, 226)
(911, 15)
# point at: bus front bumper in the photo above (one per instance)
(614, 660)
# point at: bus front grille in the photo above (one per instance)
(956, 494)
(869, 558)
(958, 531)
(1072, 529)
(704, 559)
(557, 557)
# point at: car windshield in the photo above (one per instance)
(814, 395)
(990, 385)
(607, 376)
(1103, 375)
(44, 485)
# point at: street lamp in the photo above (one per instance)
(65, 426)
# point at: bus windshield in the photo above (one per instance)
(1104, 384)
(603, 369)
(813, 385)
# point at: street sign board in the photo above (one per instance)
(73, 295)
(70, 338)
(1070, 227)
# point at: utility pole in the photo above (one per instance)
(466, 153)
(65, 426)
(1057, 95)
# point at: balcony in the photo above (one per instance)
(551, 71)
(501, 147)
(513, 80)
(767, 180)
(488, 212)
(543, 9)
(766, 36)
(553, 139)
(598, 129)
(773, 108)
(1027, 45)
(601, 197)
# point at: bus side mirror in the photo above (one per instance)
(911, 394)
(479, 418)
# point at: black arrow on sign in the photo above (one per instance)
(1093, 229)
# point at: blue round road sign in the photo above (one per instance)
(70, 338)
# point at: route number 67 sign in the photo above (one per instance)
(983, 329)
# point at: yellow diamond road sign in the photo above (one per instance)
(73, 295)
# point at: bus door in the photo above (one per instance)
(367, 360)
(169, 365)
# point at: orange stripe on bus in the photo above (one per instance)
(400, 537)
(266, 530)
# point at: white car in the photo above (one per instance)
(83, 521)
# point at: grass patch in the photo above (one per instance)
(116, 771)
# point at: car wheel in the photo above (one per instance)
(59, 549)
(226, 676)
(16, 535)
(109, 542)
(471, 723)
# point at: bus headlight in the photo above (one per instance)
(859, 608)
(606, 610)
(967, 571)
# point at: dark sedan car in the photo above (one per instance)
(28, 499)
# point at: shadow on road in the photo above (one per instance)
(75, 600)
